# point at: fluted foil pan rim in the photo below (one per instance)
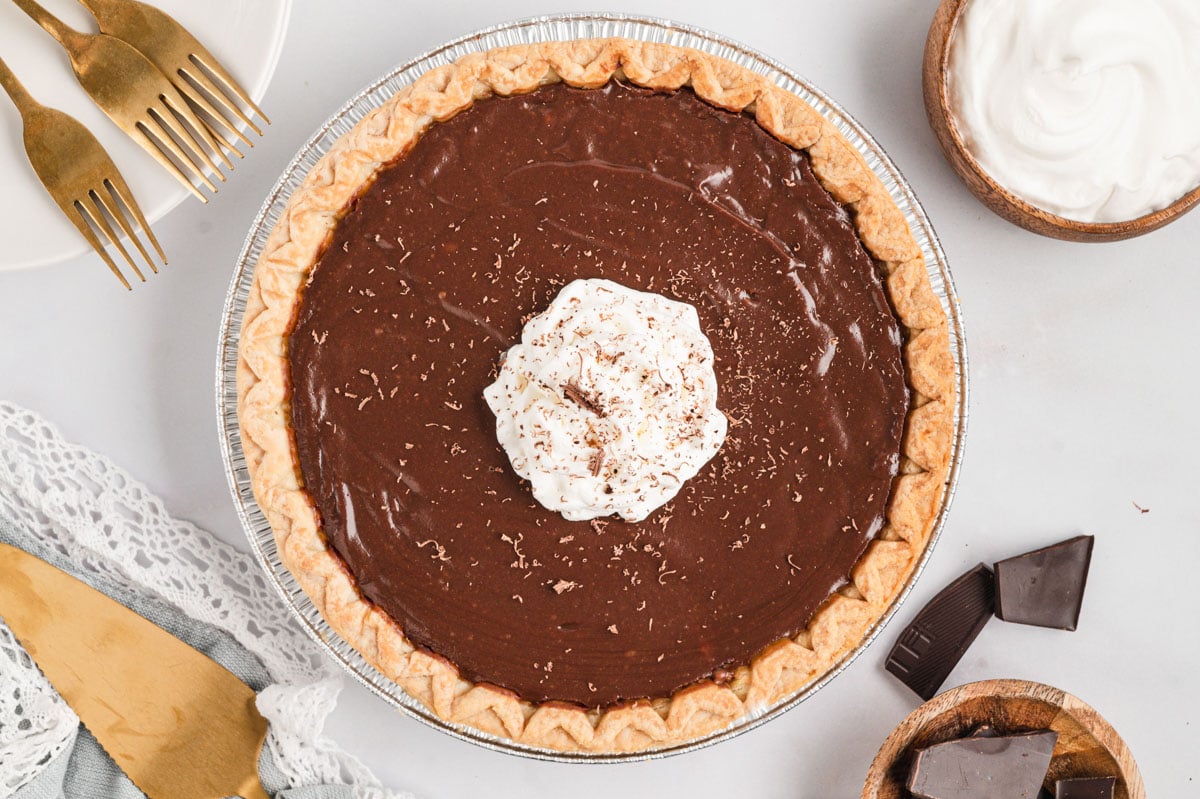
(559, 27)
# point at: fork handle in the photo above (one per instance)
(67, 36)
(99, 8)
(21, 98)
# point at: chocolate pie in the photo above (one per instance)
(407, 264)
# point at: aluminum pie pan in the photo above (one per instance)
(559, 27)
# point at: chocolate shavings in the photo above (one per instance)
(575, 394)
(596, 462)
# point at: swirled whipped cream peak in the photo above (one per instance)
(609, 402)
(1088, 109)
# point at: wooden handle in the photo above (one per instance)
(21, 98)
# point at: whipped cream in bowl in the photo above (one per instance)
(1087, 110)
(609, 402)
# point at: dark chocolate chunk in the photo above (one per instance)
(1009, 766)
(1085, 788)
(1045, 587)
(931, 646)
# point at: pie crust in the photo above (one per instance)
(783, 668)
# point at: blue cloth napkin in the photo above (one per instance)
(83, 770)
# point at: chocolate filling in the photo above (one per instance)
(428, 279)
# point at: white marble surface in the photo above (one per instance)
(1084, 366)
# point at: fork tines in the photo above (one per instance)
(194, 82)
(81, 178)
(96, 209)
(190, 67)
(177, 139)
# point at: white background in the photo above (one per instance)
(1084, 368)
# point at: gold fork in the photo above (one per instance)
(80, 176)
(188, 65)
(138, 98)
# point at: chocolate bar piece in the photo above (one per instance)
(931, 646)
(984, 731)
(1085, 788)
(1009, 766)
(1045, 587)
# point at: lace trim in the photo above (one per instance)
(81, 503)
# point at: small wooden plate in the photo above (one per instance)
(991, 193)
(1087, 745)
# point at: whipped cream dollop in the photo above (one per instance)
(609, 402)
(1088, 109)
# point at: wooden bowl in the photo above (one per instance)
(1087, 745)
(993, 195)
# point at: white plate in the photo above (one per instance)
(246, 37)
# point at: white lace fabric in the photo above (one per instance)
(81, 503)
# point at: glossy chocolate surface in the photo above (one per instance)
(427, 281)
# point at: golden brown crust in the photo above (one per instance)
(783, 668)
